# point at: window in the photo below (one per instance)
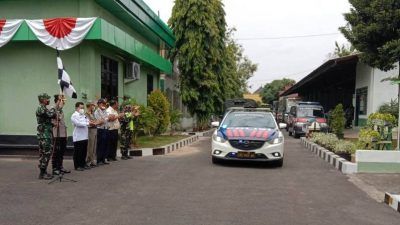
(109, 78)
(150, 84)
(362, 100)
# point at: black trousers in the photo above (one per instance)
(112, 144)
(60, 145)
(80, 149)
(101, 145)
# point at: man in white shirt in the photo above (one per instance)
(113, 127)
(80, 136)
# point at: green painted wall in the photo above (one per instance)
(27, 69)
(374, 167)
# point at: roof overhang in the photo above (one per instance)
(106, 33)
(140, 17)
(325, 68)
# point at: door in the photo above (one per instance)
(150, 84)
(109, 78)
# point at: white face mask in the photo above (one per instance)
(81, 111)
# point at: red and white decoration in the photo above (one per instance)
(61, 33)
(8, 28)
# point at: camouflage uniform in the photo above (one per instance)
(44, 132)
(127, 127)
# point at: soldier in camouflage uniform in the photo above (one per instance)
(44, 134)
(127, 126)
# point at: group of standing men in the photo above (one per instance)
(95, 134)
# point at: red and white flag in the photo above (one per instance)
(8, 28)
(61, 33)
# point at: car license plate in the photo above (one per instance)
(246, 155)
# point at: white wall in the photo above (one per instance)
(383, 91)
(363, 79)
(378, 92)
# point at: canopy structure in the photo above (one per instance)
(330, 84)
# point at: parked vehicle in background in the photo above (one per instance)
(285, 103)
(239, 102)
(306, 117)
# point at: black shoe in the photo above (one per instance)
(43, 175)
(79, 169)
(124, 157)
(128, 157)
(86, 167)
(56, 172)
(92, 165)
(63, 170)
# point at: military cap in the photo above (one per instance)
(43, 96)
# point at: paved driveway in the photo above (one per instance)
(185, 188)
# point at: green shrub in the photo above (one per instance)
(327, 141)
(331, 142)
(338, 120)
(176, 116)
(385, 117)
(366, 137)
(344, 147)
(160, 105)
(391, 108)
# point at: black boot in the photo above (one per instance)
(44, 175)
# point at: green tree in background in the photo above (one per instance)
(211, 64)
(198, 49)
(271, 90)
(373, 29)
(239, 67)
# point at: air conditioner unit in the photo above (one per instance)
(133, 71)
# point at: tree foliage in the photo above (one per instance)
(211, 64)
(342, 50)
(271, 90)
(374, 29)
(198, 48)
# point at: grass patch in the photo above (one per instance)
(157, 141)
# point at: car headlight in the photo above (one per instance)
(218, 138)
(277, 140)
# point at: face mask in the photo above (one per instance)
(81, 111)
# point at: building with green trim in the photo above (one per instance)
(126, 33)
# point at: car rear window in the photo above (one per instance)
(249, 119)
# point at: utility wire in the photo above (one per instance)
(285, 37)
(287, 76)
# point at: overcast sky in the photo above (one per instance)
(271, 20)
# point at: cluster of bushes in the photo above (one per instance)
(369, 135)
(156, 117)
(333, 143)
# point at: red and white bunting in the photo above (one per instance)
(8, 28)
(61, 33)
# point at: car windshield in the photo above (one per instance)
(249, 119)
(310, 112)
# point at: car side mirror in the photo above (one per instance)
(215, 124)
(282, 125)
